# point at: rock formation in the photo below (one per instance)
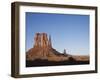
(37, 40)
(41, 40)
(64, 51)
(43, 50)
(50, 43)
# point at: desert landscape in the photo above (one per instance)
(43, 54)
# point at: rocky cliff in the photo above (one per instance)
(42, 49)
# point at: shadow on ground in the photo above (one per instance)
(38, 62)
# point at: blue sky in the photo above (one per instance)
(68, 31)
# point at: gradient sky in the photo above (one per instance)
(68, 31)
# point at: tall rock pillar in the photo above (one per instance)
(41, 40)
(37, 40)
(50, 43)
(44, 40)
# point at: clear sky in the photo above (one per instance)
(68, 31)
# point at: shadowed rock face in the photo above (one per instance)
(43, 50)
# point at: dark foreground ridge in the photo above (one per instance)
(37, 63)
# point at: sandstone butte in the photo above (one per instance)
(43, 50)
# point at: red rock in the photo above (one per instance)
(42, 49)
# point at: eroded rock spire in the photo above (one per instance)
(50, 43)
(41, 40)
(37, 40)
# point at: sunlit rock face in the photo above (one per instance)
(42, 49)
(41, 40)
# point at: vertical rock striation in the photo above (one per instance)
(41, 40)
(37, 40)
